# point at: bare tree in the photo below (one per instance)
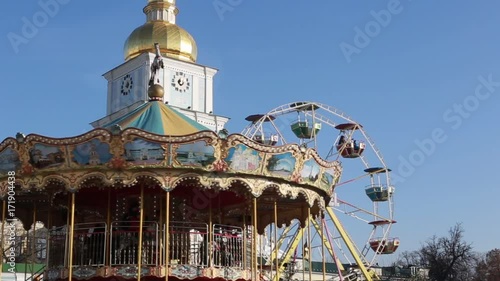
(409, 258)
(488, 267)
(448, 258)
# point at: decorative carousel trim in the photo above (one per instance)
(166, 173)
(235, 139)
(286, 190)
(168, 179)
(130, 134)
(101, 134)
(105, 180)
(9, 142)
(311, 153)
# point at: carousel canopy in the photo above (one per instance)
(158, 118)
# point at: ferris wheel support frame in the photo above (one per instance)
(327, 245)
(369, 275)
(350, 245)
(288, 253)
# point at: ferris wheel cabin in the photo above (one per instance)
(384, 246)
(346, 146)
(263, 137)
(304, 128)
(377, 191)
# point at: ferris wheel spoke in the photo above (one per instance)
(374, 147)
(354, 209)
(352, 180)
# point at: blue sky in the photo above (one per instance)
(415, 78)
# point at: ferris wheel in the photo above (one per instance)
(357, 222)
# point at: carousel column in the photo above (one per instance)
(260, 264)
(254, 236)
(108, 232)
(210, 240)
(167, 235)
(71, 234)
(66, 240)
(244, 254)
(323, 244)
(160, 226)
(252, 248)
(49, 227)
(141, 222)
(4, 201)
(33, 241)
(276, 248)
(253, 254)
(303, 252)
(309, 240)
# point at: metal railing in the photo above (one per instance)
(228, 246)
(89, 244)
(97, 244)
(125, 243)
(188, 243)
(57, 247)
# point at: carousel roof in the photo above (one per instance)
(158, 118)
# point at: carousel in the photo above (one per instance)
(130, 203)
(139, 204)
(156, 194)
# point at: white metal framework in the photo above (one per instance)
(361, 212)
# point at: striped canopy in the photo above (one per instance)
(158, 118)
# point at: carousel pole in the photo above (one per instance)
(303, 258)
(254, 266)
(260, 264)
(253, 255)
(167, 234)
(276, 248)
(49, 227)
(210, 240)
(66, 241)
(71, 233)
(33, 241)
(160, 219)
(141, 222)
(323, 245)
(244, 258)
(309, 241)
(3, 227)
(108, 231)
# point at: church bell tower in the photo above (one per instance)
(188, 85)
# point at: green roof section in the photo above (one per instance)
(158, 118)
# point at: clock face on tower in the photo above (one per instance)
(181, 82)
(127, 85)
(127, 89)
(181, 88)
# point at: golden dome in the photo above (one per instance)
(156, 92)
(168, 1)
(174, 41)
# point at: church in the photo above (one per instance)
(188, 86)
